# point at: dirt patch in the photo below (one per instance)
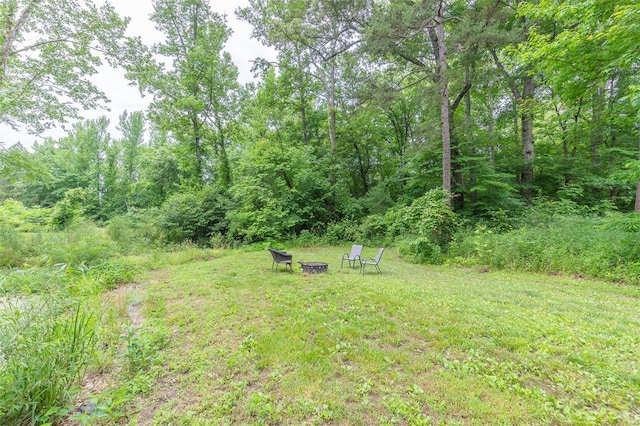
(134, 308)
(127, 299)
(168, 392)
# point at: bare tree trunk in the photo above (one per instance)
(197, 142)
(303, 117)
(444, 100)
(637, 205)
(528, 153)
(596, 137)
(303, 101)
(492, 149)
(329, 83)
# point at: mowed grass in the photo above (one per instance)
(416, 345)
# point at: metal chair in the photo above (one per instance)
(356, 253)
(371, 261)
(279, 257)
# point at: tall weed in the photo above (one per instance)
(601, 247)
(81, 243)
(45, 348)
(135, 232)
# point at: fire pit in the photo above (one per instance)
(314, 267)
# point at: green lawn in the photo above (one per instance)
(414, 345)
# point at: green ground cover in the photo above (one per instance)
(243, 344)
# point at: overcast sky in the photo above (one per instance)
(242, 48)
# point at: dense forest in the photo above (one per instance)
(380, 120)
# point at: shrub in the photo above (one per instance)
(14, 247)
(135, 231)
(420, 250)
(14, 215)
(339, 232)
(82, 243)
(430, 216)
(194, 216)
(110, 273)
(70, 208)
(599, 247)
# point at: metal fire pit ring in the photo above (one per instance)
(314, 267)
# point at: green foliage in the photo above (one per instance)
(136, 230)
(279, 192)
(343, 231)
(142, 346)
(195, 98)
(15, 215)
(44, 80)
(70, 208)
(429, 216)
(82, 243)
(377, 200)
(15, 247)
(108, 406)
(602, 247)
(46, 348)
(420, 250)
(110, 273)
(195, 215)
(68, 281)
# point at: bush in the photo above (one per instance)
(70, 208)
(15, 247)
(420, 250)
(194, 216)
(82, 243)
(135, 231)
(431, 217)
(600, 247)
(110, 273)
(14, 215)
(339, 232)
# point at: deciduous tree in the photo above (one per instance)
(48, 51)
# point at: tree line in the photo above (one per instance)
(502, 104)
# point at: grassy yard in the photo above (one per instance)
(416, 345)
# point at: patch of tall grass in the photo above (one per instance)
(601, 247)
(16, 247)
(45, 347)
(68, 281)
(82, 243)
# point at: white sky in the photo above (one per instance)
(123, 97)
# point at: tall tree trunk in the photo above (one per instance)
(444, 100)
(596, 137)
(197, 142)
(224, 168)
(303, 101)
(492, 149)
(330, 89)
(524, 101)
(637, 205)
(528, 153)
(303, 117)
